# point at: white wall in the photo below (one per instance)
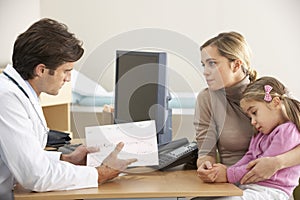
(271, 27)
(15, 18)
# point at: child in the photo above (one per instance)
(276, 117)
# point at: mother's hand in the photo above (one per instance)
(206, 172)
(261, 169)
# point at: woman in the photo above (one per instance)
(223, 131)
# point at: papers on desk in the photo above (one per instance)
(139, 140)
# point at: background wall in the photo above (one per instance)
(15, 18)
(271, 27)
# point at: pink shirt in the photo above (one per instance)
(282, 139)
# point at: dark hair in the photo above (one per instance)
(256, 91)
(45, 42)
(233, 46)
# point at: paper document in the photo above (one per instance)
(139, 140)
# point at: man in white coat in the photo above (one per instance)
(43, 58)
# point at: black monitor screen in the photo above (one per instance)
(140, 90)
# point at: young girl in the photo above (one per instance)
(276, 117)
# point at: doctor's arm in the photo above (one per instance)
(110, 167)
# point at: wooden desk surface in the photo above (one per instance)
(147, 185)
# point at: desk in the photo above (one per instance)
(146, 185)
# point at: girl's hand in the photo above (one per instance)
(222, 173)
(206, 172)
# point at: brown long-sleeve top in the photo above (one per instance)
(221, 124)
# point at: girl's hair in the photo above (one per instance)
(45, 42)
(233, 46)
(256, 91)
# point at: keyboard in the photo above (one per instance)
(177, 156)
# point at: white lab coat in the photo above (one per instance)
(23, 136)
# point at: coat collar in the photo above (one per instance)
(34, 100)
(27, 88)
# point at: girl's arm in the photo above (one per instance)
(283, 152)
(264, 168)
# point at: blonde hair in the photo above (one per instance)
(256, 91)
(233, 46)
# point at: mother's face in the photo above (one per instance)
(218, 70)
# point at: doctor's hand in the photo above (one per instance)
(112, 165)
(78, 156)
(206, 172)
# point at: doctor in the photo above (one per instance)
(43, 58)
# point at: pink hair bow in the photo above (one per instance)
(268, 89)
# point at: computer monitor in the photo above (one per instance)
(141, 91)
